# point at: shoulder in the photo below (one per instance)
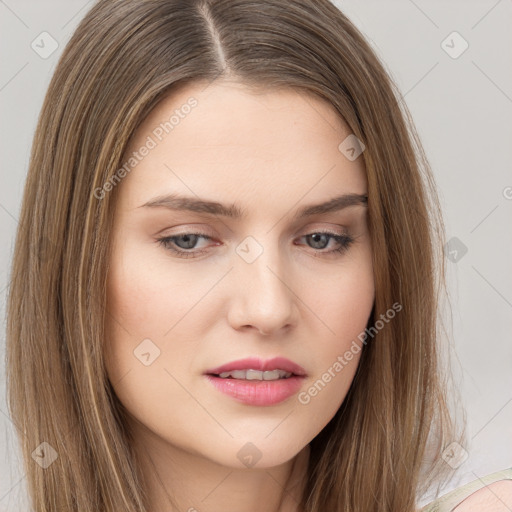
(495, 497)
(491, 493)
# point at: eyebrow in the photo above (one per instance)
(198, 205)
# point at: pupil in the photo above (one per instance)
(189, 241)
(317, 237)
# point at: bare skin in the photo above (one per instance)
(272, 153)
(496, 497)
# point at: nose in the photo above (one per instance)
(263, 296)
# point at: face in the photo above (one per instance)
(191, 289)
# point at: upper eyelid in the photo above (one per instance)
(190, 229)
(356, 214)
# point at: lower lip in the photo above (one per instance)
(258, 392)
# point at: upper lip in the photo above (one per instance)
(255, 363)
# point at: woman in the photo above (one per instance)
(224, 289)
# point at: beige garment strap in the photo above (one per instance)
(449, 501)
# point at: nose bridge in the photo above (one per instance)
(264, 298)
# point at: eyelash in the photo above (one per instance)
(345, 242)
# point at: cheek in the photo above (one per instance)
(143, 305)
(344, 307)
(147, 295)
(149, 299)
(140, 308)
(342, 299)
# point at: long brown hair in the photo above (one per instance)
(383, 447)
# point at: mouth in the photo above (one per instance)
(256, 382)
(254, 375)
(254, 368)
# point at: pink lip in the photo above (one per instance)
(255, 392)
(254, 363)
(258, 392)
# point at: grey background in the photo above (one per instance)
(462, 108)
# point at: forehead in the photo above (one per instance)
(230, 113)
(225, 139)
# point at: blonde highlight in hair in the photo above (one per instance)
(383, 447)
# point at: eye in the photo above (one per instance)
(182, 244)
(188, 240)
(321, 239)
